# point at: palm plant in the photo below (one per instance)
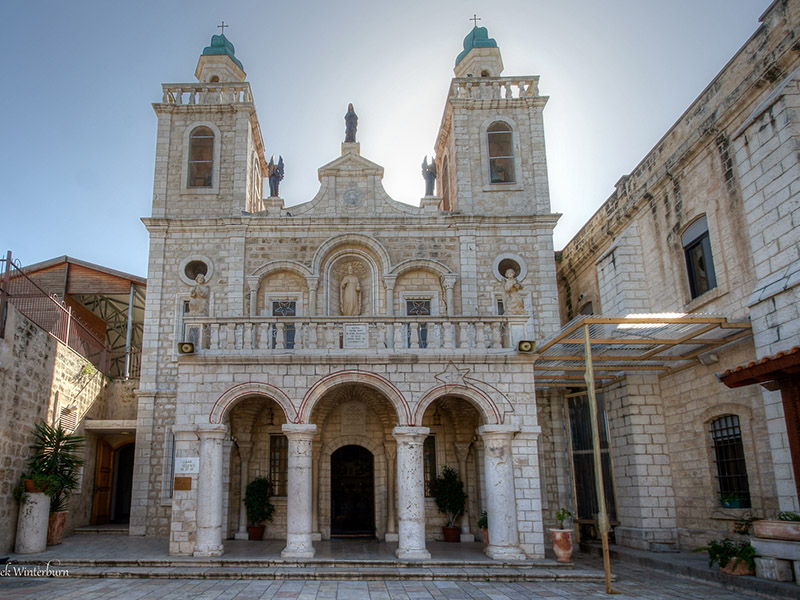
(57, 454)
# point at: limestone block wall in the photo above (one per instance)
(621, 275)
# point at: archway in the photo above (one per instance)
(352, 492)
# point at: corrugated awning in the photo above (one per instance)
(657, 343)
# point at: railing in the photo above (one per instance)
(500, 88)
(206, 93)
(126, 363)
(390, 334)
(49, 313)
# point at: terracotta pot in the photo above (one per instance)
(451, 534)
(486, 535)
(55, 528)
(562, 544)
(256, 532)
(737, 566)
(31, 488)
(777, 530)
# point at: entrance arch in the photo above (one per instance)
(352, 492)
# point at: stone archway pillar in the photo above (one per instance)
(299, 493)
(245, 451)
(209, 490)
(411, 492)
(501, 503)
(462, 452)
(390, 451)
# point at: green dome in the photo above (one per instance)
(477, 38)
(222, 45)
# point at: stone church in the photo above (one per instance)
(351, 346)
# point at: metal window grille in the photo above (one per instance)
(418, 308)
(278, 463)
(731, 468)
(429, 463)
(283, 308)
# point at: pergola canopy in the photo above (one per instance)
(658, 343)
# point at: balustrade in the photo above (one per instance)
(501, 88)
(331, 334)
(206, 93)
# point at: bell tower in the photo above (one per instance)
(210, 154)
(490, 151)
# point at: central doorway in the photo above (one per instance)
(352, 493)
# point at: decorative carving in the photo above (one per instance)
(354, 418)
(350, 294)
(198, 305)
(514, 303)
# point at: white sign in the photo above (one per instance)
(187, 464)
(355, 336)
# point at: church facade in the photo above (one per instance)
(352, 346)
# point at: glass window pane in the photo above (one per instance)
(429, 461)
(278, 463)
(734, 487)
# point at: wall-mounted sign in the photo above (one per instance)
(187, 464)
(355, 336)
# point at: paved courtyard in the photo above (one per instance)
(632, 582)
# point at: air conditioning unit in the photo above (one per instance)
(185, 348)
(526, 346)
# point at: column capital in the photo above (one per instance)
(390, 449)
(211, 431)
(313, 283)
(497, 432)
(449, 280)
(462, 450)
(389, 281)
(410, 434)
(253, 282)
(299, 431)
(184, 433)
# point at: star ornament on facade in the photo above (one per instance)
(452, 375)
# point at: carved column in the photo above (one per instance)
(209, 491)
(313, 283)
(391, 496)
(315, 533)
(411, 492)
(252, 283)
(388, 283)
(449, 282)
(462, 451)
(501, 504)
(298, 501)
(245, 451)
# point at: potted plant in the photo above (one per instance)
(562, 538)
(258, 503)
(483, 523)
(734, 558)
(786, 527)
(451, 500)
(57, 455)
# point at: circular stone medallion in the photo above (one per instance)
(352, 198)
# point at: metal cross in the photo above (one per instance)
(474, 19)
(223, 26)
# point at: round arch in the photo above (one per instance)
(486, 406)
(330, 382)
(427, 264)
(281, 265)
(347, 239)
(227, 400)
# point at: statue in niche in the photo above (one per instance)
(350, 294)
(275, 175)
(198, 305)
(350, 125)
(429, 174)
(514, 303)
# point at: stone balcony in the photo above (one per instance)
(494, 88)
(382, 335)
(206, 93)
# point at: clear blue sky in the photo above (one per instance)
(80, 76)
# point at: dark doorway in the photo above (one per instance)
(352, 497)
(123, 484)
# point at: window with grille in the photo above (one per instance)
(420, 307)
(429, 463)
(501, 153)
(284, 308)
(201, 157)
(278, 463)
(734, 488)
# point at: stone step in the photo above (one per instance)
(332, 573)
(102, 530)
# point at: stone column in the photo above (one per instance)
(316, 535)
(411, 492)
(253, 284)
(388, 283)
(245, 451)
(449, 282)
(298, 501)
(462, 451)
(391, 496)
(209, 491)
(313, 283)
(501, 503)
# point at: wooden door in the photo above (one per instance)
(103, 478)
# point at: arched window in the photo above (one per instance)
(201, 157)
(445, 189)
(501, 153)
(734, 488)
(699, 262)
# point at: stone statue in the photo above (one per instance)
(350, 125)
(350, 294)
(198, 305)
(275, 176)
(514, 303)
(429, 175)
